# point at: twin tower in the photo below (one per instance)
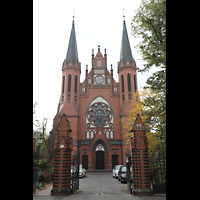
(95, 106)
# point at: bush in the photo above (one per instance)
(47, 176)
(43, 165)
(40, 185)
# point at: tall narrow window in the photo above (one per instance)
(98, 63)
(123, 98)
(63, 87)
(68, 97)
(135, 83)
(122, 77)
(75, 88)
(129, 82)
(69, 83)
(75, 98)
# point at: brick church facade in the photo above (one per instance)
(95, 106)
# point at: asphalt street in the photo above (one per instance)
(97, 186)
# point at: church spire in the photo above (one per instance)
(125, 45)
(72, 51)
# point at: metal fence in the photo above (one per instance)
(129, 174)
(35, 166)
(75, 173)
(158, 170)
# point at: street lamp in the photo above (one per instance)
(40, 140)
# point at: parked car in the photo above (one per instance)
(82, 171)
(122, 174)
(116, 170)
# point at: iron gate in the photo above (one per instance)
(158, 170)
(129, 173)
(75, 173)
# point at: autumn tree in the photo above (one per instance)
(150, 115)
(136, 108)
(149, 24)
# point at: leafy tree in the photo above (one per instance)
(149, 24)
(50, 142)
(154, 110)
(35, 120)
(40, 128)
(44, 165)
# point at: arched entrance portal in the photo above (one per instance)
(100, 148)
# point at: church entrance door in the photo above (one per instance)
(85, 161)
(99, 159)
(114, 160)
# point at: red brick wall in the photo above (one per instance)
(76, 112)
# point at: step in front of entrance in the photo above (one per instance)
(98, 170)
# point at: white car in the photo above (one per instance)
(82, 171)
(116, 170)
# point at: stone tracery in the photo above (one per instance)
(99, 114)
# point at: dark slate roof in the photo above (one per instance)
(72, 51)
(125, 46)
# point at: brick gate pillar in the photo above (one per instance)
(140, 159)
(62, 159)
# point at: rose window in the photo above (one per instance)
(99, 114)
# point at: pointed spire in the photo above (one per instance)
(125, 45)
(72, 51)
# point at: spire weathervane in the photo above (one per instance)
(123, 15)
(73, 15)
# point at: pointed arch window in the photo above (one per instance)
(69, 83)
(63, 86)
(122, 78)
(129, 82)
(135, 83)
(75, 88)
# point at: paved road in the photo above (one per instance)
(97, 186)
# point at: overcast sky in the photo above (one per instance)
(96, 23)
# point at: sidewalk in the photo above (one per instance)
(46, 191)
